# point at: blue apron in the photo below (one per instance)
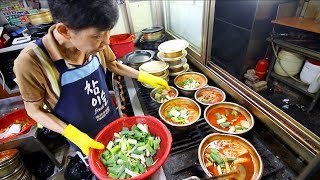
(84, 99)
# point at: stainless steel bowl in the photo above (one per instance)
(231, 105)
(256, 159)
(190, 92)
(210, 88)
(172, 60)
(157, 68)
(9, 162)
(185, 69)
(152, 93)
(183, 100)
(19, 173)
(177, 67)
(173, 48)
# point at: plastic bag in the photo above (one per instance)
(51, 139)
(38, 164)
(76, 169)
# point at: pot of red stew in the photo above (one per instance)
(228, 117)
(230, 157)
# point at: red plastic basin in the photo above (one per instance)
(156, 128)
(18, 116)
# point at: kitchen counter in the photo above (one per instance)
(10, 104)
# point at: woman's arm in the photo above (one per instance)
(50, 121)
(122, 69)
(35, 111)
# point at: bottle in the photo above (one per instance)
(261, 68)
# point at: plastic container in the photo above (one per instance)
(315, 84)
(121, 44)
(18, 116)
(291, 62)
(310, 70)
(156, 128)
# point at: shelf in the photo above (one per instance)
(15, 47)
(294, 84)
(296, 48)
(307, 24)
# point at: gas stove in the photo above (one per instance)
(183, 159)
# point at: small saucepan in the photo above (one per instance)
(152, 33)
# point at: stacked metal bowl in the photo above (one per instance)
(173, 52)
(157, 68)
(11, 167)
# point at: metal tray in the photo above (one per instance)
(138, 57)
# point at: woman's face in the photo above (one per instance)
(90, 40)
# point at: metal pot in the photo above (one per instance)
(153, 92)
(9, 161)
(152, 33)
(190, 92)
(256, 159)
(41, 17)
(180, 100)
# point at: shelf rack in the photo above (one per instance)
(279, 43)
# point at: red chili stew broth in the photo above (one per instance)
(230, 117)
(192, 110)
(206, 93)
(230, 149)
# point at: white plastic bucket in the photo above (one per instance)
(291, 62)
(309, 71)
(315, 84)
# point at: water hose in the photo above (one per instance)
(279, 61)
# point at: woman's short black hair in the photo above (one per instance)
(81, 14)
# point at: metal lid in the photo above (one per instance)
(173, 46)
(152, 29)
(154, 66)
(138, 56)
(8, 155)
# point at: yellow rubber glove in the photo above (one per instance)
(152, 80)
(82, 140)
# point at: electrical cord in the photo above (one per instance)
(279, 61)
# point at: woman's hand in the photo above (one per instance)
(152, 80)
